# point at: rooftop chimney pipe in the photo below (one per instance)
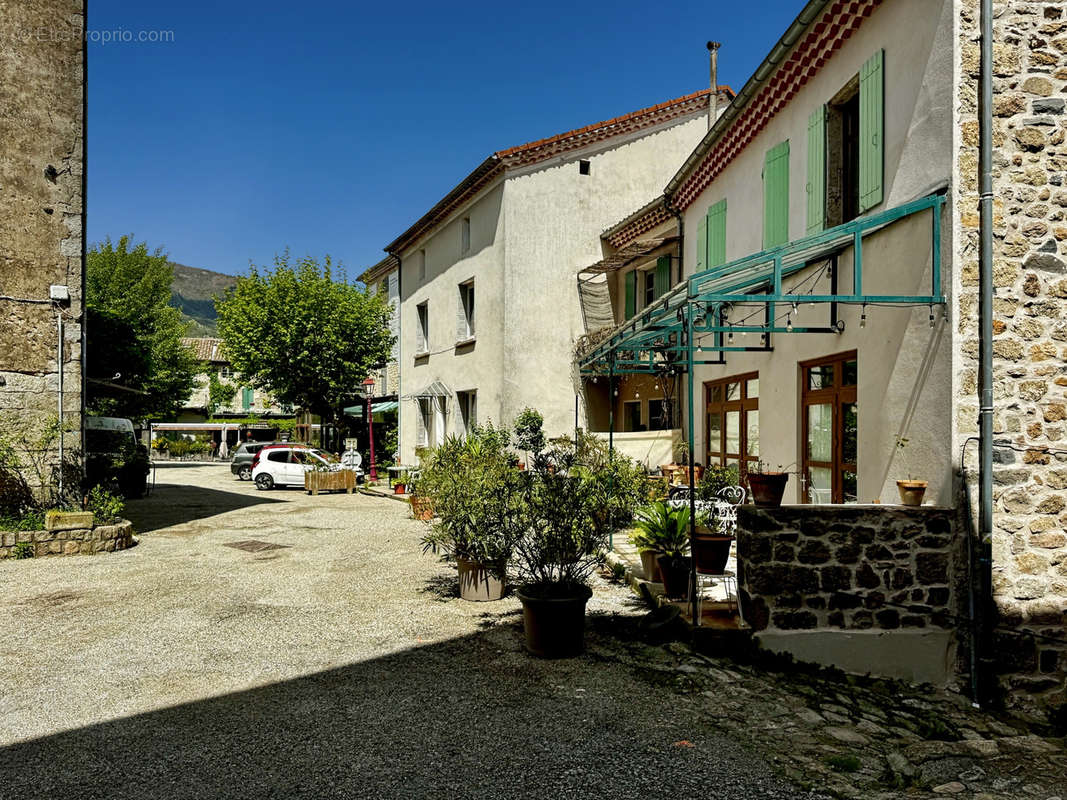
(713, 100)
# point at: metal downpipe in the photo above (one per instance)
(985, 354)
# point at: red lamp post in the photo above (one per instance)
(368, 387)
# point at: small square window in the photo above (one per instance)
(583, 167)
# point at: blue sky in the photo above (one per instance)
(329, 127)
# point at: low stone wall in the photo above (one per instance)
(855, 569)
(71, 542)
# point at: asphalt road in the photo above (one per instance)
(330, 658)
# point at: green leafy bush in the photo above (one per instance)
(663, 529)
(27, 521)
(479, 499)
(22, 550)
(716, 478)
(106, 507)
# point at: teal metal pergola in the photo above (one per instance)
(664, 337)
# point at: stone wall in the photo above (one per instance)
(1030, 326)
(848, 567)
(76, 541)
(42, 130)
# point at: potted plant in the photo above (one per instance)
(578, 493)
(648, 550)
(767, 486)
(480, 505)
(668, 529)
(399, 487)
(911, 491)
(713, 534)
(529, 435)
(421, 505)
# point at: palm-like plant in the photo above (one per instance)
(662, 528)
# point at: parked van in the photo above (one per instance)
(112, 456)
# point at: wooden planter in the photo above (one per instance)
(342, 480)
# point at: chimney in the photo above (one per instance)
(713, 100)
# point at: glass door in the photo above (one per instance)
(732, 422)
(830, 419)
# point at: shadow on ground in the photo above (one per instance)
(471, 717)
(173, 504)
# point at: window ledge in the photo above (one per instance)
(421, 354)
(466, 342)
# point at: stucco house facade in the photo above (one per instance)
(42, 215)
(246, 400)
(858, 135)
(488, 310)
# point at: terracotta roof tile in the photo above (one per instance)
(205, 348)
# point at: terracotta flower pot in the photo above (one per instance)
(675, 572)
(767, 488)
(711, 551)
(649, 566)
(479, 582)
(554, 626)
(911, 492)
(422, 508)
(400, 489)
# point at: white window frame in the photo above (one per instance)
(422, 328)
(465, 312)
(467, 404)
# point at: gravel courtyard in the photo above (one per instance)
(336, 663)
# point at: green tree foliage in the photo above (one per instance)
(132, 331)
(220, 394)
(303, 333)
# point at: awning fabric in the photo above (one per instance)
(376, 408)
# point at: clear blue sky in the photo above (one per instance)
(329, 127)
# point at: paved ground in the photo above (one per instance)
(338, 664)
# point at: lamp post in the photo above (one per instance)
(368, 387)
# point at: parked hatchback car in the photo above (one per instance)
(243, 453)
(285, 465)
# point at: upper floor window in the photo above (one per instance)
(645, 286)
(422, 328)
(465, 312)
(465, 235)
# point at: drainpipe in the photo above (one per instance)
(985, 351)
(713, 99)
(59, 366)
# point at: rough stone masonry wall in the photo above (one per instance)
(1030, 326)
(42, 130)
(70, 542)
(848, 567)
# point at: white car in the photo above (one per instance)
(285, 465)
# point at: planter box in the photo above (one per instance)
(68, 520)
(342, 480)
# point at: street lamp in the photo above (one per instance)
(368, 387)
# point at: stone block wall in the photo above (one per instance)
(849, 567)
(1030, 327)
(42, 132)
(79, 541)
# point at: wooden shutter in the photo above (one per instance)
(472, 417)
(872, 125)
(663, 275)
(438, 420)
(422, 438)
(702, 244)
(631, 294)
(817, 170)
(776, 196)
(420, 328)
(716, 227)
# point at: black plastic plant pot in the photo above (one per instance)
(555, 626)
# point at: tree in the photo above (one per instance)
(303, 335)
(220, 394)
(133, 337)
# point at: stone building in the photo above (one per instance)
(247, 400)
(42, 250)
(1029, 324)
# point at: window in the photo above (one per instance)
(631, 415)
(226, 372)
(649, 279)
(776, 196)
(465, 312)
(430, 422)
(465, 235)
(659, 416)
(846, 150)
(422, 329)
(468, 410)
(583, 167)
(280, 456)
(732, 423)
(828, 404)
(420, 259)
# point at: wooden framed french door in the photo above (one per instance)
(830, 422)
(731, 422)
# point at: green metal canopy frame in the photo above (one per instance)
(663, 337)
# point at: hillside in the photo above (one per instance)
(193, 292)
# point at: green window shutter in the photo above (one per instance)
(631, 294)
(702, 244)
(246, 398)
(817, 170)
(716, 223)
(872, 128)
(776, 196)
(663, 275)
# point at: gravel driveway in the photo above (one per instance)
(336, 663)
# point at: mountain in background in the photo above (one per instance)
(193, 293)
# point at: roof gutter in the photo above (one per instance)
(792, 35)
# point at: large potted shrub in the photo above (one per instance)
(767, 486)
(571, 512)
(480, 505)
(713, 534)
